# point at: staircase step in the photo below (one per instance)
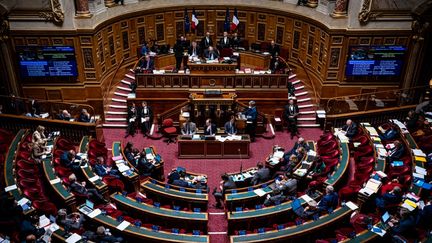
(299, 87)
(117, 112)
(116, 119)
(126, 82)
(119, 100)
(304, 106)
(308, 125)
(301, 93)
(296, 82)
(306, 118)
(124, 88)
(118, 106)
(121, 94)
(303, 100)
(131, 70)
(292, 76)
(130, 76)
(306, 112)
(114, 125)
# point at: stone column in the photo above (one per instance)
(82, 9)
(312, 3)
(97, 6)
(8, 74)
(340, 9)
(109, 3)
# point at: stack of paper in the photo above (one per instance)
(372, 131)
(410, 205)
(418, 152)
(122, 167)
(300, 172)
(73, 238)
(278, 154)
(382, 152)
(260, 192)
(420, 170)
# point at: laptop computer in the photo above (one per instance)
(88, 207)
(385, 217)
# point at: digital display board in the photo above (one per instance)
(46, 61)
(375, 60)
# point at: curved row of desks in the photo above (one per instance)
(341, 168)
(133, 177)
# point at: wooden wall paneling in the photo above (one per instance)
(36, 93)
(19, 41)
(251, 27)
(32, 41)
(93, 92)
(54, 94)
(44, 41)
(73, 93)
(78, 55)
(271, 27)
(170, 31)
(58, 41)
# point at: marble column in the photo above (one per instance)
(97, 6)
(340, 9)
(82, 9)
(109, 3)
(312, 3)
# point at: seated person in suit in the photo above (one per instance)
(210, 128)
(80, 188)
(145, 167)
(329, 201)
(230, 126)
(405, 224)
(389, 134)
(390, 198)
(275, 198)
(102, 169)
(146, 64)
(175, 174)
(84, 116)
(189, 128)
(38, 150)
(73, 221)
(102, 235)
(318, 170)
(287, 185)
(128, 153)
(300, 143)
(350, 128)
(194, 50)
(225, 184)
(211, 53)
(67, 159)
(65, 116)
(396, 152)
(273, 49)
(225, 41)
(262, 175)
(289, 166)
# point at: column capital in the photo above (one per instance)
(109, 3)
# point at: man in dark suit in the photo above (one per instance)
(206, 41)
(147, 65)
(65, 116)
(211, 53)
(194, 50)
(131, 120)
(189, 127)
(262, 175)
(329, 201)
(179, 52)
(389, 134)
(225, 41)
(84, 116)
(350, 128)
(396, 152)
(67, 159)
(80, 188)
(35, 108)
(277, 66)
(210, 128)
(230, 126)
(275, 198)
(235, 41)
(225, 184)
(146, 118)
(274, 49)
(251, 115)
(290, 114)
(16, 106)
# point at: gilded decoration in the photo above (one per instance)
(384, 10)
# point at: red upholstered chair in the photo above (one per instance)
(278, 119)
(366, 161)
(398, 171)
(45, 206)
(114, 183)
(169, 131)
(226, 52)
(64, 144)
(363, 140)
(331, 155)
(328, 147)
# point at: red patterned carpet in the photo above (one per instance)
(212, 167)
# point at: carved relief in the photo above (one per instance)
(55, 14)
(88, 58)
(4, 30)
(334, 57)
(386, 10)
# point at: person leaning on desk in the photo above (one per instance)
(210, 128)
(230, 126)
(211, 53)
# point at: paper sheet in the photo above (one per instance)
(306, 198)
(95, 213)
(10, 188)
(73, 238)
(123, 225)
(94, 178)
(260, 192)
(351, 205)
(55, 181)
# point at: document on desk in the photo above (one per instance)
(73, 238)
(94, 178)
(55, 181)
(278, 154)
(10, 188)
(351, 205)
(260, 192)
(378, 231)
(418, 152)
(123, 225)
(94, 213)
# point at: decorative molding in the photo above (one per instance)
(384, 13)
(55, 14)
(4, 30)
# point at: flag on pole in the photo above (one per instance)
(235, 20)
(186, 21)
(195, 21)
(227, 21)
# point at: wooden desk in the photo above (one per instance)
(254, 60)
(134, 178)
(164, 60)
(212, 68)
(162, 216)
(213, 149)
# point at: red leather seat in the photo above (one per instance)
(25, 164)
(64, 144)
(45, 206)
(63, 171)
(363, 140)
(168, 130)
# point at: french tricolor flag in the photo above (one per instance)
(195, 21)
(235, 20)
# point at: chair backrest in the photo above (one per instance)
(278, 112)
(167, 122)
(226, 52)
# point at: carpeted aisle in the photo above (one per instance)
(213, 168)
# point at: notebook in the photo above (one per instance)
(296, 204)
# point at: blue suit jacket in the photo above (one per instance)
(329, 201)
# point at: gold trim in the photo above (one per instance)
(55, 14)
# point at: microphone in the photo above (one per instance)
(241, 161)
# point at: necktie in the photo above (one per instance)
(187, 128)
(211, 56)
(148, 65)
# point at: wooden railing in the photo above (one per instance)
(71, 130)
(107, 91)
(309, 83)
